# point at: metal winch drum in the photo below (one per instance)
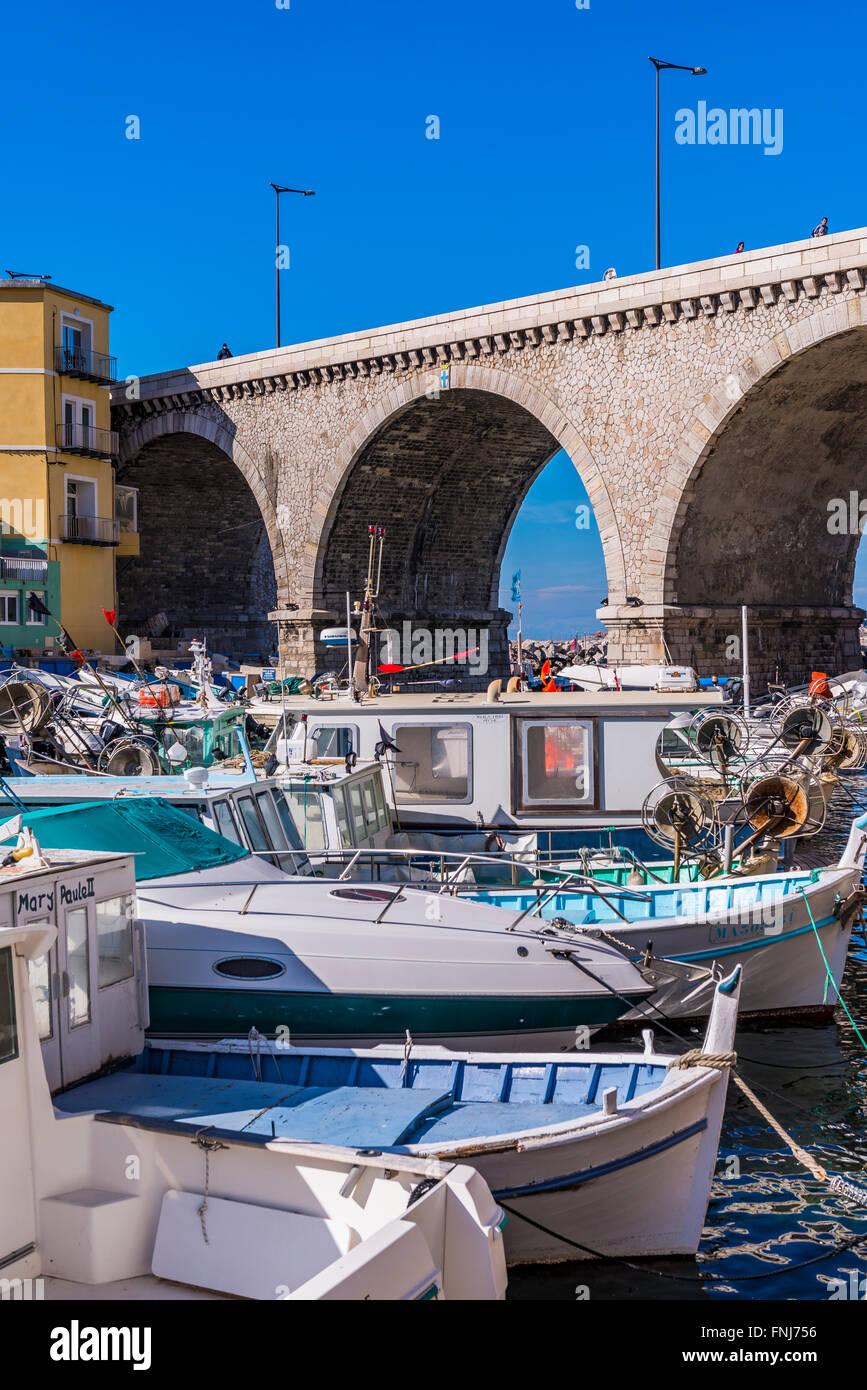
(129, 757)
(719, 739)
(24, 707)
(784, 797)
(677, 812)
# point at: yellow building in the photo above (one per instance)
(63, 520)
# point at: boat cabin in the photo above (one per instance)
(560, 760)
(109, 1190)
(71, 914)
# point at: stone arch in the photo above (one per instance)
(718, 409)
(213, 558)
(747, 518)
(467, 377)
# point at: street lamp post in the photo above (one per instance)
(659, 63)
(278, 189)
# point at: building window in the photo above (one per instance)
(75, 341)
(34, 619)
(126, 509)
(9, 608)
(78, 424)
(433, 763)
(80, 496)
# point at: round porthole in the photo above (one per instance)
(366, 895)
(249, 968)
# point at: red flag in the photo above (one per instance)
(546, 670)
(109, 614)
(78, 656)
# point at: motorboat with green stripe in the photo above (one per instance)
(233, 943)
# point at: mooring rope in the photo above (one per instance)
(829, 973)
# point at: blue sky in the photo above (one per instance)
(546, 143)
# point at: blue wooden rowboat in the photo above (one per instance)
(612, 1151)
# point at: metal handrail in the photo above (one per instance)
(85, 363)
(76, 438)
(98, 530)
(24, 568)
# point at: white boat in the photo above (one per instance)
(611, 1153)
(560, 764)
(662, 678)
(233, 942)
(100, 1204)
(63, 724)
(789, 929)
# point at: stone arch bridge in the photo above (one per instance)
(714, 412)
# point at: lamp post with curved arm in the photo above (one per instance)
(659, 64)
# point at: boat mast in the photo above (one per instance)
(362, 674)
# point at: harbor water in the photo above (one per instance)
(773, 1231)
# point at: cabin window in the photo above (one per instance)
(306, 809)
(433, 763)
(39, 971)
(331, 741)
(374, 807)
(225, 821)
(8, 1020)
(342, 816)
(114, 944)
(77, 985)
(254, 827)
(356, 810)
(249, 968)
(556, 763)
(382, 809)
(290, 829)
(271, 819)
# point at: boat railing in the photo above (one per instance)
(454, 871)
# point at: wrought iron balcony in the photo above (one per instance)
(87, 439)
(88, 530)
(85, 364)
(28, 569)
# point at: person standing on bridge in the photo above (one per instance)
(224, 352)
(739, 248)
(822, 229)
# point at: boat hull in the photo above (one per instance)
(777, 943)
(346, 1020)
(638, 1190)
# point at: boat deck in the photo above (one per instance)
(347, 1100)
